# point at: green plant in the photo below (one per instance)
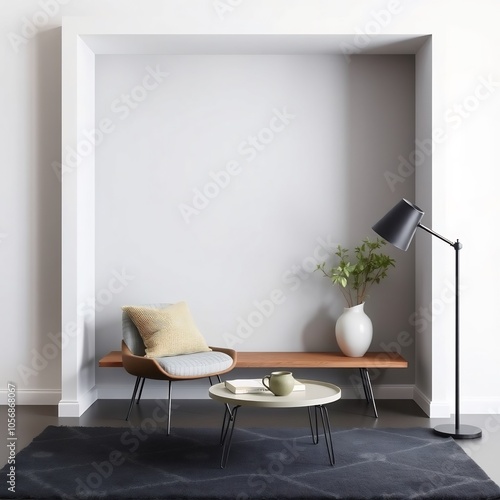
(355, 276)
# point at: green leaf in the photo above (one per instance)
(358, 268)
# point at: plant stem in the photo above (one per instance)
(345, 293)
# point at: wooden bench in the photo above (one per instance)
(303, 360)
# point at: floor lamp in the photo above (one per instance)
(398, 227)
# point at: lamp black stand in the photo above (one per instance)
(457, 430)
(398, 227)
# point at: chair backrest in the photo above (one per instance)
(131, 335)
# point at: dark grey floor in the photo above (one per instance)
(31, 420)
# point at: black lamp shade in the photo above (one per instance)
(399, 224)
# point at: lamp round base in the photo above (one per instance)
(463, 431)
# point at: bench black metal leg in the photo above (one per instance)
(367, 397)
(367, 386)
(363, 379)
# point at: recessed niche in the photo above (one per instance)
(223, 178)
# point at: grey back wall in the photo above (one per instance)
(223, 180)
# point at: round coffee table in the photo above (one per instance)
(316, 395)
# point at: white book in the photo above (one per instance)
(254, 386)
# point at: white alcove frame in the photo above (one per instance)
(82, 40)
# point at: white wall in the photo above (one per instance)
(423, 245)
(245, 262)
(466, 46)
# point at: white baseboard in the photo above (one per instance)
(432, 409)
(107, 391)
(444, 409)
(422, 400)
(401, 391)
(76, 408)
(480, 406)
(32, 397)
(69, 408)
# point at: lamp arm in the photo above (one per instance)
(454, 244)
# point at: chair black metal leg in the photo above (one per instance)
(169, 406)
(140, 390)
(220, 382)
(137, 380)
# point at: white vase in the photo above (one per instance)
(354, 331)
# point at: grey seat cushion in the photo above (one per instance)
(199, 364)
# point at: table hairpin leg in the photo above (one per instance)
(227, 410)
(227, 433)
(325, 420)
(314, 431)
(367, 386)
(225, 423)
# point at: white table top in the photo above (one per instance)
(316, 393)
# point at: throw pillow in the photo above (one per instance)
(167, 332)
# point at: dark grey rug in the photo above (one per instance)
(128, 463)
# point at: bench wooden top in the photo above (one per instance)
(112, 360)
(295, 360)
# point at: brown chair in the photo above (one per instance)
(172, 368)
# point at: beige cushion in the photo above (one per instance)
(167, 332)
